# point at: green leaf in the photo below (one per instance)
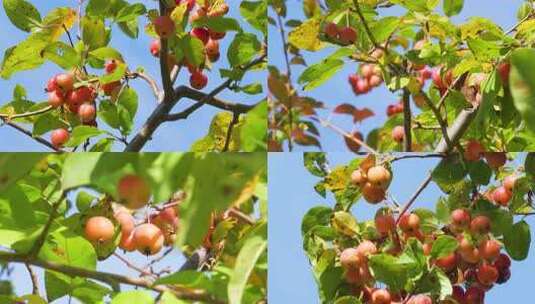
(62, 54)
(130, 12)
(480, 172)
(306, 35)
(93, 32)
(105, 53)
(243, 49)
(443, 246)
(517, 240)
(82, 133)
(255, 12)
(219, 24)
(22, 14)
(192, 48)
(317, 74)
(133, 296)
(522, 84)
(254, 129)
(25, 55)
(244, 266)
(14, 166)
(453, 7)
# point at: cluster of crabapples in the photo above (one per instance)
(473, 268)
(164, 26)
(148, 237)
(373, 182)
(70, 92)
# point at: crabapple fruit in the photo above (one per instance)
(437, 78)
(134, 191)
(380, 176)
(489, 249)
(347, 35)
(148, 238)
(99, 229)
(487, 274)
(358, 177)
(110, 66)
(504, 275)
(59, 137)
(381, 296)
(212, 50)
(349, 258)
(198, 80)
(109, 88)
(65, 81)
(87, 112)
(373, 194)
(385, 223)
(448, 262)
(164, 26)
(473, 150)
(503, 261)
(460, 218)
(201, 34)
(458, 294)
(365, 249)
(495, 160)
(366, 70)
(52, 85)
(155, 47)
(127, 242)
(331, 30)
(504, 70)
(409, 222)
(375, 80)
(216, 35)
(501, 196)
(55, 99)
(480, 224)
(474, 295)
(398, 133)
(420, 299)
(125, 220)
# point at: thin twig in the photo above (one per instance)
(29, 134)
(151, 81)
(130, 265)
(34, 279)
(414, 197)
(235, 120)
(407, 121)
(27, 114)
(289, 75)
(338, 130)
(366, 27)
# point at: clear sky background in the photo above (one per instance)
(173, 136)
(291, 195)
(337, 90)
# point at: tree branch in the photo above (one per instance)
(27, 114)
(338, 130)
(407, 121)
(34, 251)
(110, 278)
(151, 81)
(29, 134)
(35, 280)
(164, 68)
(235, 120)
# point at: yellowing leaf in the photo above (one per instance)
(305, 36)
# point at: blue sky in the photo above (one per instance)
(174, 136)
(292, 195)
(337, 90)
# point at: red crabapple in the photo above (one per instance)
(373, 194)
(155, 47)
(349, 258)
(473, 150)
(480, 224)
(409, 222)
(55, 99)
(398, 134)
(216, 35)
(65, 81)
(109, 88)
(87, 112)
(504, 70)
(489, 249)
(487, 274)
(501, 196)
(347, 35)
(381, 296)
(380, 176)
(148, 238)
(366, 70)
(509, 182)
(134, 191)
(420, 299)
(59, 137)
(385, 223)
(495, 160)
(110, 66)
(448, 262)
(127, 242)
(331, 30)
(52, 85)
(358, 177)
(474, 295)
(198, 80)
(99, 229)
(460, 218)
(201, 34)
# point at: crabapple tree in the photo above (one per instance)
(453, 252)
(92, 95)
(99, 226)
(454, 85)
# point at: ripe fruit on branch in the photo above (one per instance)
(198, 80)
(460, 218)
(473, 150)
(216, 35)
(110, 88)
(495, 160)
(125, 220)
(503, 261)
(331, 30)
(55, 99)
(487, 274)
(65, 81)
(110, 66)
(52, 85)
(490, 249)
(375, 80)
(200, 33)
(420, 299)
(480, 225)
(504, 69)
(501, 196)
(349, 258)
(353, 145)
(409, 222)
(358, 177)
(381, 296)
(212, 50)
(398, 134)
(87, 112)
(474, 295)
(365, 249)
(448, 262)
(148, 239)
(133, 191)
(99, 229)
(164, 26)
(59, 137)
(379, 176)
(373, 194)
(127, 242)
(385, 223)
(503, 275)
(347, 35)
(155, 47)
